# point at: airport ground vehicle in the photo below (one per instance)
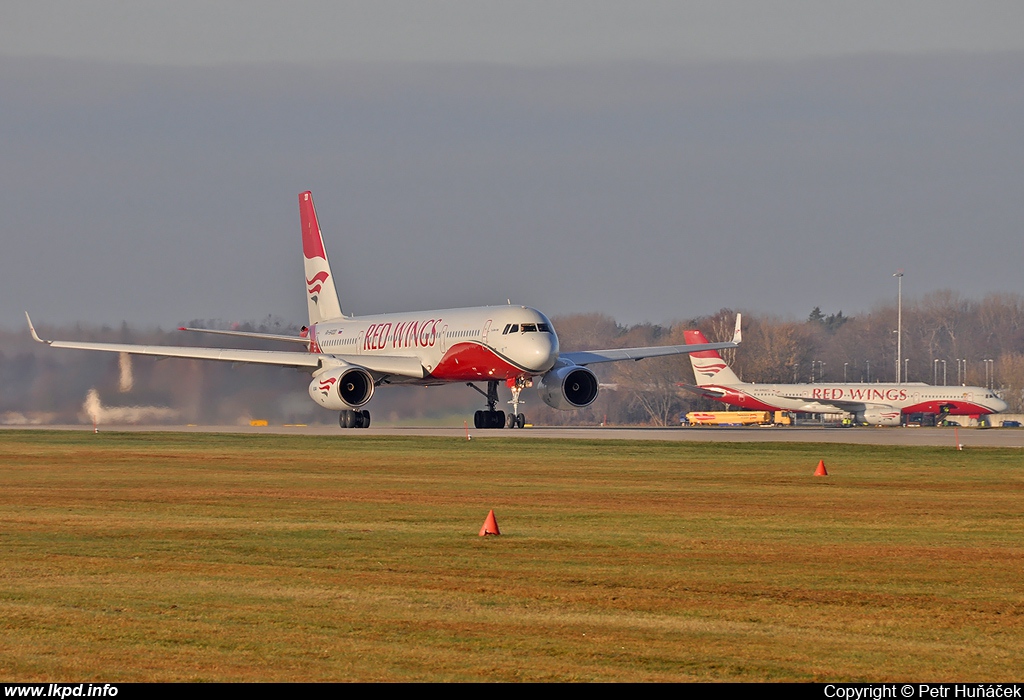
(738, 418)
(729, 418)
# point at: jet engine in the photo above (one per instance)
(342, 387)
(880, 416)
(568, 388)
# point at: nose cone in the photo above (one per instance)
(998, 405)
(538, 351)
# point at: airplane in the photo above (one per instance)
(871, 404)
(350, 357)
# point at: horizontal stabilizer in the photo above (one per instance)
(705, 391)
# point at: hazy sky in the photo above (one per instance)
(536, 33)
(650, 160)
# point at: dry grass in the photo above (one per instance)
(217, 557)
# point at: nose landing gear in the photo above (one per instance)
(517, 419)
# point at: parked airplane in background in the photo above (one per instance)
(350, 357)
(875, 404)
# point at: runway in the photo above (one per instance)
(933, 437)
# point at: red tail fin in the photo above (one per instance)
(708, 366)
(321, 294)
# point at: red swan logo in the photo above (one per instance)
(712, 369)
(326, 384)
(316, 284)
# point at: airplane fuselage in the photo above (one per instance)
(844, 398)
(498, 343)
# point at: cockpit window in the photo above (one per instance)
(514, 328)
(529, 328)
(507, 326)
(543, 328)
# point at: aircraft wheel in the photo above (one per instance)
(520, 421)
(510, 421)
(365, 423)
(346, 419)
(498, 419)
(478, 420)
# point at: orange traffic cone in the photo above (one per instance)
(821, 471)
(490, 526)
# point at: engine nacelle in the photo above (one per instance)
(342, 387)
(568, 388)
(880, 416)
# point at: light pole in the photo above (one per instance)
(906, 368)
(935, 372)
(868, 363)
(899, 323)
(845, 365)
(943, 373)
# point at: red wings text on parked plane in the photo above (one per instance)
(875, 404)
(350, 357)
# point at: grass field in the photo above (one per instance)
(160, 556)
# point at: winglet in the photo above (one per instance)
(32, 330)
(737, 336)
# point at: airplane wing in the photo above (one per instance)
(402, 366)
(591, 357)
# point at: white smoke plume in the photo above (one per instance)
(127, 380)
(97, 413)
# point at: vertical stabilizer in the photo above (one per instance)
(321, 295)
(708, 366)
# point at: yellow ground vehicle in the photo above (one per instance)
(729, 417)
(783, 418)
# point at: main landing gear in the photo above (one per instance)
(354, 419)
(493, 418)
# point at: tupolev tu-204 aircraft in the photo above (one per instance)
(350, 357)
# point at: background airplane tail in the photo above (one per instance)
(708, 366)
(321, 295)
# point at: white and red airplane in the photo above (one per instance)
(350, 357)
(874, 404)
